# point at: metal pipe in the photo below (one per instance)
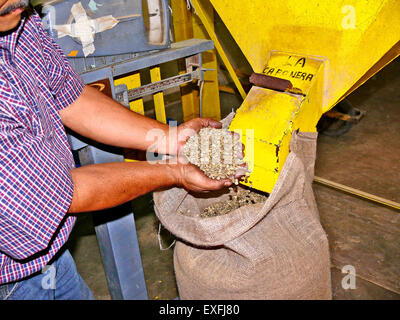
(357, 192)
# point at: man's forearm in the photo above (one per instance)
(100, 118)
(101, 186)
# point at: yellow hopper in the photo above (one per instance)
(326, 49)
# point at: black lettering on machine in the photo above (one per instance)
(287, 74)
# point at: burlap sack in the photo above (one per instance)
(275, 250)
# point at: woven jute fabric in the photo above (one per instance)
(274, 250)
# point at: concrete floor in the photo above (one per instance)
(361, 233)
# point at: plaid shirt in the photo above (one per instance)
(36, 188)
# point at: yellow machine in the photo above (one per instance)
(326, 49)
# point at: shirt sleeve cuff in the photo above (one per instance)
(71, 91)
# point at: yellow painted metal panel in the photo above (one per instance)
(182, 20)
(132, 81)
(271, 116)
(299, 70)
(183, 29)
(188, 25)
(350, 35)
(159, 105)
(267, 115)
(325, 48)
(210, 92)
(204, 12)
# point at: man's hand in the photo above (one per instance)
(172, 143)
(190, 128)
(192, 178)
(175, 143)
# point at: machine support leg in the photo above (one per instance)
(120, 253)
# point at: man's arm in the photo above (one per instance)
(100, 118)
(101, 186)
